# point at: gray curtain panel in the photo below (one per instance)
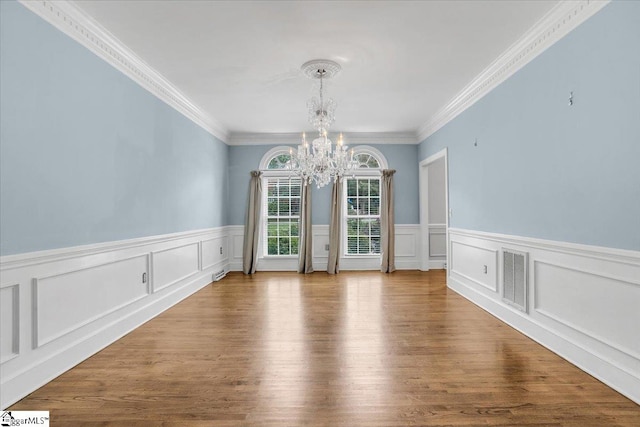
(305, 243)
(387, 221)
(334, 227)
(252, 224)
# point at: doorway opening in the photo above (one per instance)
(434, 211)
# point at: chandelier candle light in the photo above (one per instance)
(319, 162)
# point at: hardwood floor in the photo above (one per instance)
(356, 349)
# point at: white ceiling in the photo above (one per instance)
(239, 61)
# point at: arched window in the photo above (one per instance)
(281, 204)
(366, 160)
(279, 161)
(361, 204)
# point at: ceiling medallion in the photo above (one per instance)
(320, 67)
(320, 161)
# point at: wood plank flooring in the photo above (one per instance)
(356, 349)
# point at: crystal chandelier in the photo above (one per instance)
(320, 161)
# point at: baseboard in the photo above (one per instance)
(437, 264)
(582, 301)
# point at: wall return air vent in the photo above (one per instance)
(219, 275)
(514, 278)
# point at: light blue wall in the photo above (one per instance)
(402, 158)
(87, 155)
(547, 170)
(243, 159)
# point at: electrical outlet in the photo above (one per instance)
(485, 269)
(220, 250)
(144, 277)
(326, 247)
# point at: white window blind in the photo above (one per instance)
(362, 216)
(282, 216)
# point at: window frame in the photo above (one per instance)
(346, 216)
(266, 175)
(265, 215)
(360, 173)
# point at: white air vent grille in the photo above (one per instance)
(514, 278)
(219, 275)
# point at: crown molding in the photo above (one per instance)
(250, 138)
(557, 23)
(71, 20)
(350, 138)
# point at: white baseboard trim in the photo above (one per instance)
(235, 266)
(107, 290)
(437, 264)
(582, 301)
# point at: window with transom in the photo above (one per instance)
(361, 205)
(281, 212)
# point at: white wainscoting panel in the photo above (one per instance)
(437, 241)
(358, 263)
(320, 254)
(9, 327)
(475, 263)
(584, 301)
(278, 264)
(214, 251)
(236, 239)
(65, 302)
(59, 307)
(407, 246)
(407, 252)
(590, 303)
(173, 265)
(320, 241)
